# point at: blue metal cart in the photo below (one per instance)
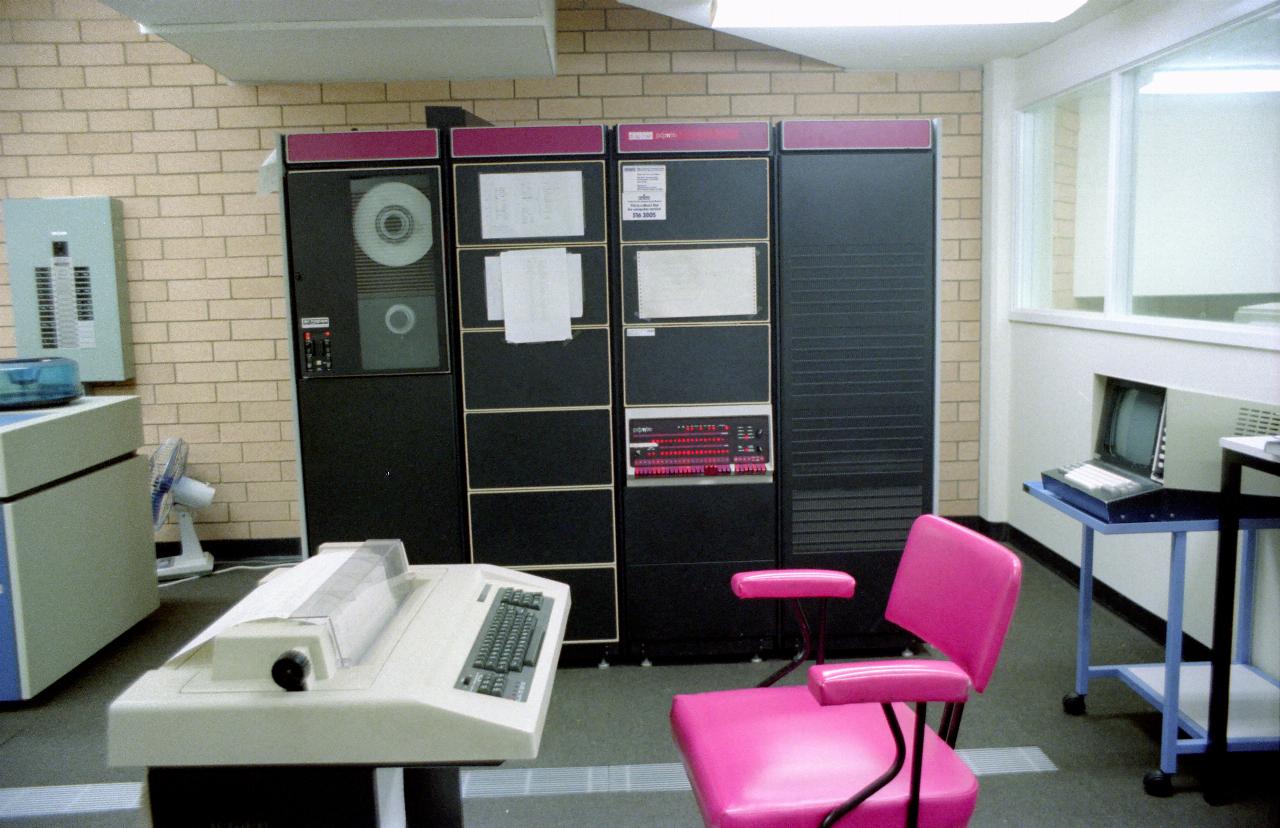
(1179, 690)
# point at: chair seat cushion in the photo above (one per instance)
(773, 757)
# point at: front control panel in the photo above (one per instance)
(664, 444)
(317, 351)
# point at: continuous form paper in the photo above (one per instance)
(717, 281)
(531, 205)
(493, 286)
(535, 295)
(276, 597)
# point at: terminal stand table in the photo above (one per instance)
(1181, 690)
(1237, 453)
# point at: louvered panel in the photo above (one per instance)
(852, 520)
(856, 236)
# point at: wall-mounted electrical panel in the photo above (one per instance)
(70, 297)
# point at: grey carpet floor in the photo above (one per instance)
(619, 716)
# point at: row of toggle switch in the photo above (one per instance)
(701, 471)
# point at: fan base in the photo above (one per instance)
(182, 566)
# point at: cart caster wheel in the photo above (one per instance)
(1073, 704)
(1158, 783)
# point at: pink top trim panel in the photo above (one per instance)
(395, 145)
(856, 135)
(485, 142)
(749, 136)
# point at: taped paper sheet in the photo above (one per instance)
(493, 286)
(535, 295)
(531, 205)
(718, 281)
(644, 192)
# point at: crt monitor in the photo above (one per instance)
(1131, 425)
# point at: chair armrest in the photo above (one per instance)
(899, 680)
(793, 583)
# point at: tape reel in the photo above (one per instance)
(393, 224)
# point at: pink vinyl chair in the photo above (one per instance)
(830, 754)
(796, 585)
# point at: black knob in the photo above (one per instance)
(292, 670)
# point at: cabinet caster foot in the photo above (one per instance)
(1073, 704)
(1158, 783)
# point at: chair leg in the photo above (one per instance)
(952, 731)
(804, 654)
(899, 759)
(917, 764)
(822, 631)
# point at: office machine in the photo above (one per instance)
(858, 373)
(1156, 454)
(66, 268)
(373, 353)
(536, 363)
(70, 586)
(695, 331)
(352, 659)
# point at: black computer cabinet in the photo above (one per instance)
(370, 328)
(695, 328)
(857, 229)
(538, 415)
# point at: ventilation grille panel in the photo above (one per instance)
(848, 520)
(1256, 421)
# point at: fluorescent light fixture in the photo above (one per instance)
(754, 14)
(1211, 81)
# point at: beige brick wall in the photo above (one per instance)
(89, 106)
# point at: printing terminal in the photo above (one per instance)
(352, 659)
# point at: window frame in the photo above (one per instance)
(1117, 313)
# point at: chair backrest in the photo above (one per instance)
(956, 589)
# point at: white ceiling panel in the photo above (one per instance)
(317, 41)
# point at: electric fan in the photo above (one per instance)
(172, 489)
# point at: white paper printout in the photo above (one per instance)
(493, 286)
(535, 295)
(644, 177)
(531, 205)
(719, 281)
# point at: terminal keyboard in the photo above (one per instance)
(1097, 479)
(506, 649)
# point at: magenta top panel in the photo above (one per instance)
(750, 136)
(395, 145)
(856, 135)
(485, 142)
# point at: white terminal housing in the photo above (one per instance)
(383, 644)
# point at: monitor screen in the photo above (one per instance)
(1129, 431)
